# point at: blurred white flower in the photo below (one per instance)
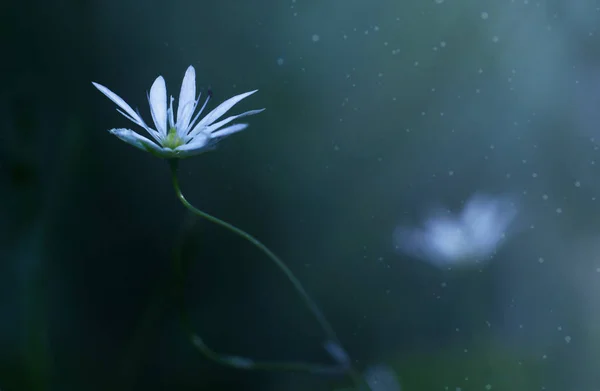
(337, 353)
(378, 377)
(182, 136)
(382, 378)
(471, 236)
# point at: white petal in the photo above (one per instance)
(337, 352)
(221, 109)
(202, 143)
(141, 142)
(200, 140)
(158, 105)
(170, 112)
(131, 114)
(415, 242)
(471, 237)
(446, 238)
(192, 124)
(382, 378)
(217, 125)
(187, 96)
(228, 130)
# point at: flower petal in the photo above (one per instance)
(202, 143)
(187, 96)
(193, 123)
(221, 109)
(337, 353)
(141, 142)
(131, 114)
(217, 125)
(128, 112)
(199, 141)
(170, 113)
(228, 130)
(158, 105)
(382, 378)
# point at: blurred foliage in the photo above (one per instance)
(490, 366)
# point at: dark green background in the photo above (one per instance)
(365, 129)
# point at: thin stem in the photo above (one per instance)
(228, 360)
(278, 262)
(241, 362)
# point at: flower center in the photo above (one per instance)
(172, 140)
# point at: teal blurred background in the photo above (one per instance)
(376, 110)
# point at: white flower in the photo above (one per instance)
(382, 378)
(471, 236)
(181, 136)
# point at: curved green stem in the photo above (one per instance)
(248, 363)
(278, 262)
(241, 362)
